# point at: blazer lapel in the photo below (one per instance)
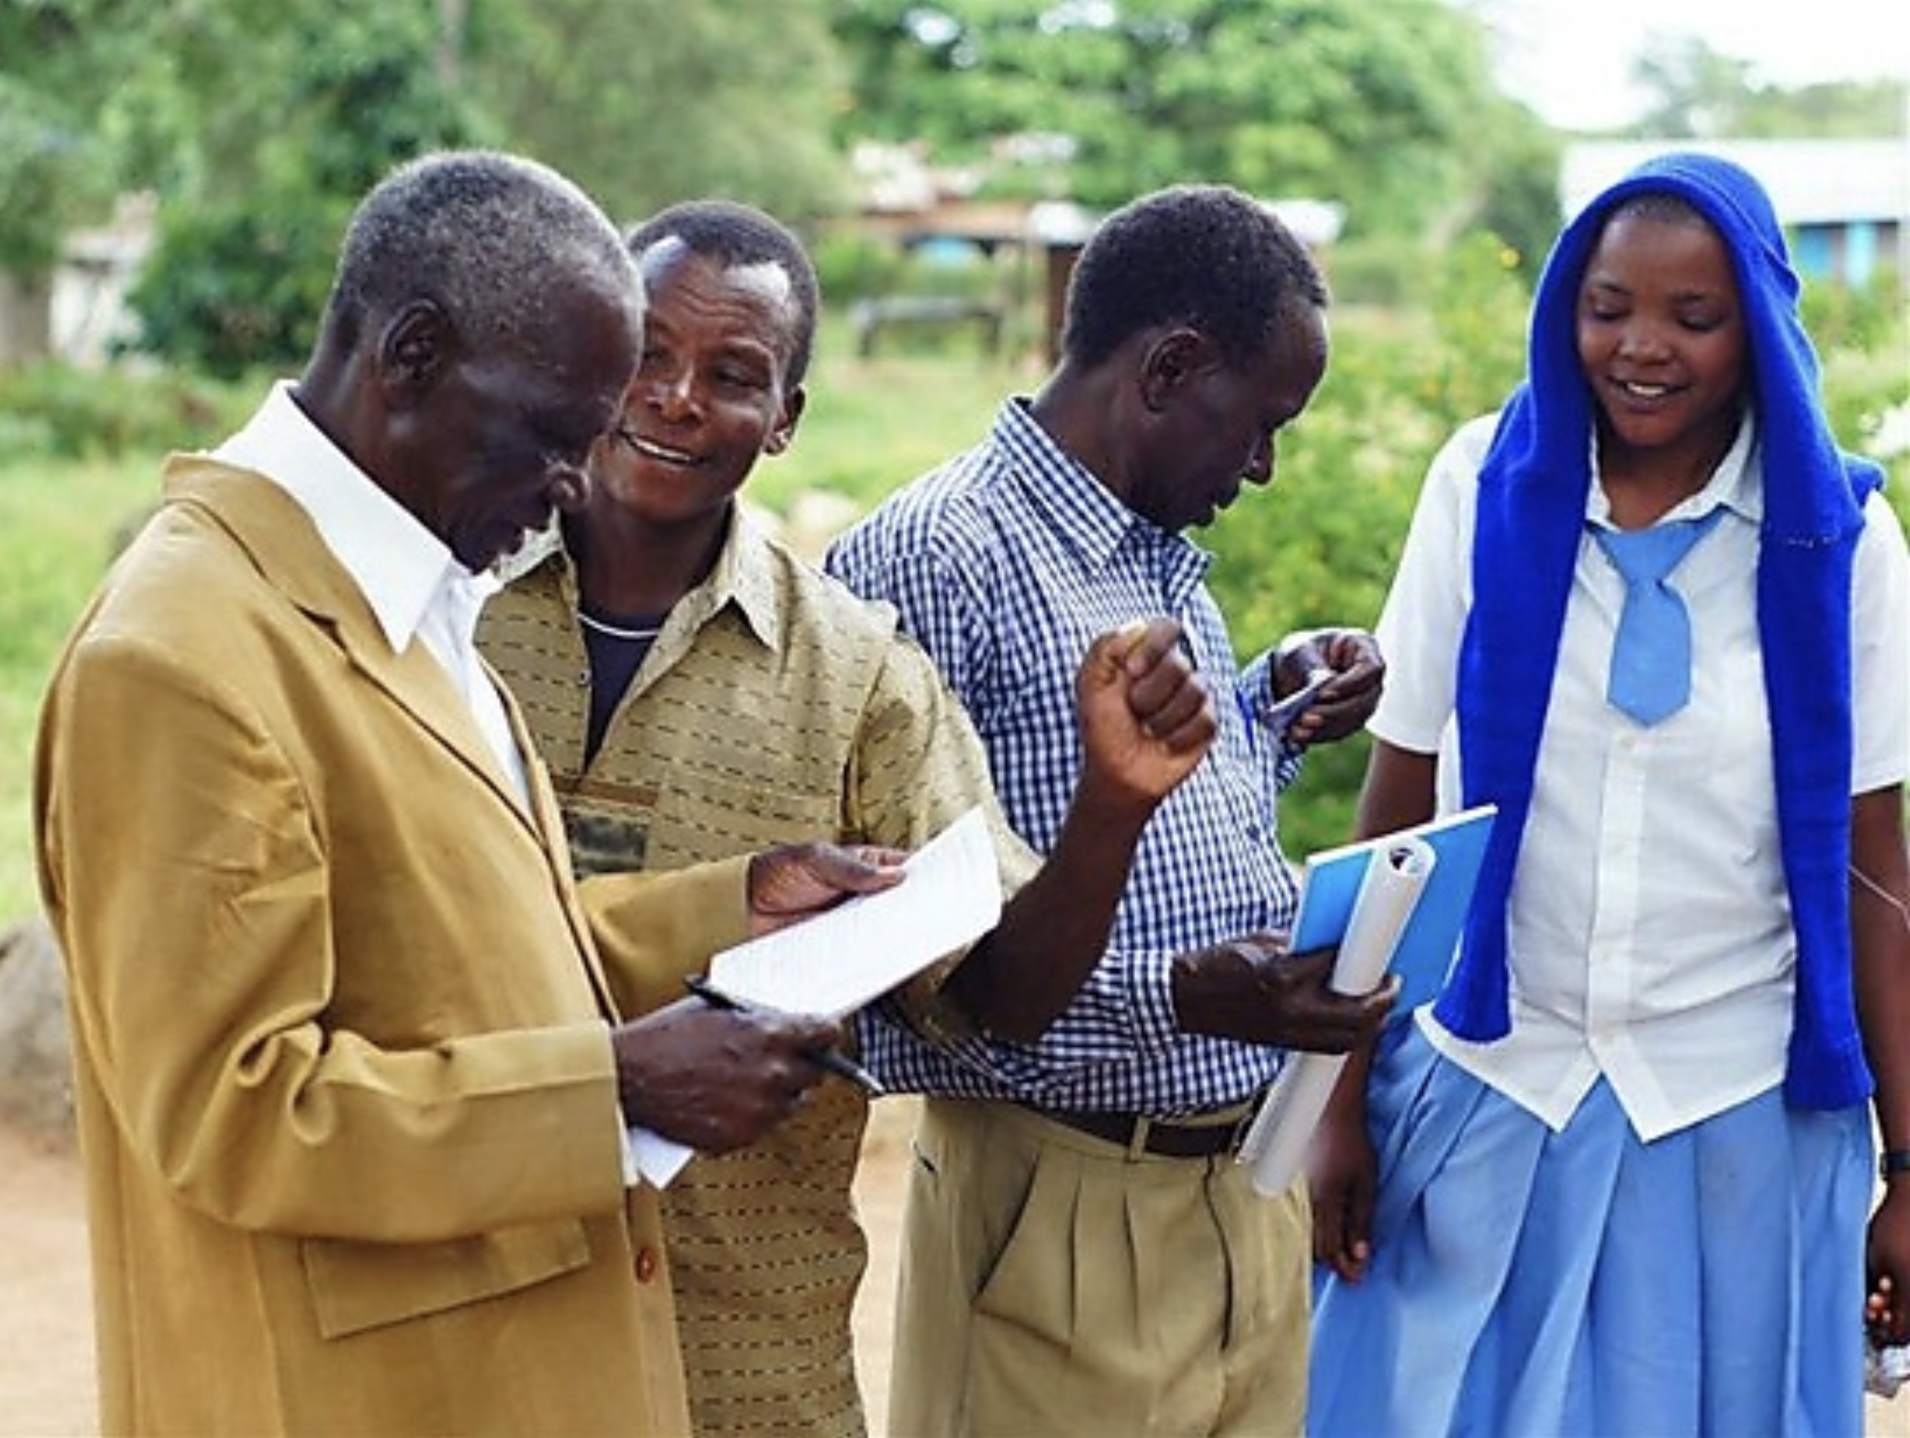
(417, 682)
(269, 524)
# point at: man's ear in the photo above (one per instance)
(415, 347)
(1171, 360)
(783, 434)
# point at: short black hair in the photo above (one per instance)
(732, 234)
(1206, 256)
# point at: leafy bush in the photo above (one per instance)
(851, 265)
(231, 287)
(1860, 318)
(1320, 549)
(1377, 270)
(52, 409)
(1862, 342)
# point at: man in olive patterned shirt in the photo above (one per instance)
(698, 691)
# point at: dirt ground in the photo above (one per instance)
(46, 1336)
(46, 1342)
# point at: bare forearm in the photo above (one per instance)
(1398, 792)
(1880, 940)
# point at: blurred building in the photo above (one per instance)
(932, 211)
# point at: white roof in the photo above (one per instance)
(1810, 181)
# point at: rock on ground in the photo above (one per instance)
(36, 1064)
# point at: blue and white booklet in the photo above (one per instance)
(1424, 947)
(1395, 904)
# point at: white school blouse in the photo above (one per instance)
(1648, 926)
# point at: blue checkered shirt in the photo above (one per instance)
(1005, 563)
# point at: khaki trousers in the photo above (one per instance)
(1052, 1285)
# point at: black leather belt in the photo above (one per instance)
(1165, 1138)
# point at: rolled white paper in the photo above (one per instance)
(1276, 1142)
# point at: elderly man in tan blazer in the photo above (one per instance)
(355, 1089)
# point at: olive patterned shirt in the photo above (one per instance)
(773, 707)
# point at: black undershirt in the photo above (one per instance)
(617, 644)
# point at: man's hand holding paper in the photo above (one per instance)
(857, 950)
(798, 881)
(671, 1104)
(666, 1085)
(1257, 990)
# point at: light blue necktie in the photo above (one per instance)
(1651, 655)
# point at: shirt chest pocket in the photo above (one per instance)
(699, 815)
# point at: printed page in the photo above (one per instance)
(838, 961)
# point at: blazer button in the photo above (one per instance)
(646, 1264)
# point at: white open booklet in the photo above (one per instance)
(836, 962)
(840, 960)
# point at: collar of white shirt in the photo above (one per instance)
(416, 587)
(400, 565)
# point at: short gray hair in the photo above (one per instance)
(479, 233)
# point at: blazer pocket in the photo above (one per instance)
(359, 1286)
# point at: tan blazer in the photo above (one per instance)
(346, 1094)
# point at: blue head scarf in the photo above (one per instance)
(1533, 488)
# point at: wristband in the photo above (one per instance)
(1893, 1161)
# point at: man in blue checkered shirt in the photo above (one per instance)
(1082, 1252)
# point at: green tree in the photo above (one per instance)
(1377, 105)
(1698, 92)
(257, 196)
(258, 123)
(40, 148)
(646, 102)
(55, 170)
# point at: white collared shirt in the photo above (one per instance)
(1649, 925)
(418, 590)
(416, 587)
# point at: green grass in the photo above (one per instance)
(874, 424)
(59, 524)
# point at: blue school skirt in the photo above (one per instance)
(1531, 1283)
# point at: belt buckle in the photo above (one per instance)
(1239, 1134)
